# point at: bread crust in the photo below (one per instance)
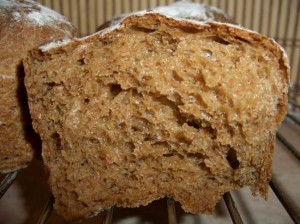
(210, 13)
(24, 25)
(252, 161)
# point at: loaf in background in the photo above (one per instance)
(23, 26)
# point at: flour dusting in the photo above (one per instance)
(185, 9)
(33, 12)
(45, 16)
(38, 18)
(54, 44)
(16, 16)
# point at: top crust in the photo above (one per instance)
(182, 10)
(186, 14)
(229, 28)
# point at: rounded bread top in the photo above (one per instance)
(25, 24)
(31, 12)
(181, 9)
(184, 13)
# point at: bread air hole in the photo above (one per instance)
(176, 77)
(56, 141)
(143, 29)
(173, 153)
(81, 61)
(51, 85)
(195, 156)
(193, 124)
(232, 159)
(115, 89)
(243, 40)
(190, 29)
(219, 40)
(169, 154)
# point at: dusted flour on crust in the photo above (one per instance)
(188, 10)
(181, 10)
(23, 26)
(157, 106)
(34, 13)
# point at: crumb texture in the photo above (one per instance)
(153, 110)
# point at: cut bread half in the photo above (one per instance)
(157, 106)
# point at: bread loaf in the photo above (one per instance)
(23, 25)
(157, 105)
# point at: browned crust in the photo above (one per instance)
(217, 17)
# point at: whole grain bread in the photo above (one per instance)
(23, 26)
(157, 106)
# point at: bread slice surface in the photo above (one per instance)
(157, 107)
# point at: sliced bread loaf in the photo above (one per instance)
(157, 106)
